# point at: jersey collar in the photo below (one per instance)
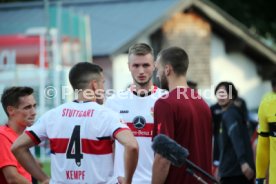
(152, 90)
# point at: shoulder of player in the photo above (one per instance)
(159, 93)
(2, 129)
(2, 132)
(53, 112)
(268, 98)
(106, 112)
(162, 91)
(6, 133)
(163, 101)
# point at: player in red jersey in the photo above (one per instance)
(19, 105)
(183, 116)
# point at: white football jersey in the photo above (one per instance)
(81, 137)
(137, 112)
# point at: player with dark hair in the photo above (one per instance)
(183, 116)
(81, 135)
(82, 74)
(20, 107)
(266, 146)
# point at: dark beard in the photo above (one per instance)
(164, 82)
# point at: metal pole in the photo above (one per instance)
(57, 55)
(42, 74)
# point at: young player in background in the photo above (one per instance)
(20, 107)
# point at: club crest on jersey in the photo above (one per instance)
(139, 122)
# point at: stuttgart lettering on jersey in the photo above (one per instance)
(75, 175)
(77, 113)
(79, 155)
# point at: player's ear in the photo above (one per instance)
(168, 69)
(128, 64)
(93, 85)
(11, 110)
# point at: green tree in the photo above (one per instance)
(257, 15)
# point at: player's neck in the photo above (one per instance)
(19, 129)
(177, 82)
(142, 88)
(142, 91)
(85, 97)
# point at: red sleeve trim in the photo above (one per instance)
(33, 136)
(118, 131)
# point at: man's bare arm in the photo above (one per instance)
(127, 139)
(12, 176)
(20, 149)
(160, 169)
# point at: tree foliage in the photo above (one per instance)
(257, 15)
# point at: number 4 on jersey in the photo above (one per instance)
(74, 148)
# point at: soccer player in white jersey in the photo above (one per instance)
(81, 135)
(135, 106)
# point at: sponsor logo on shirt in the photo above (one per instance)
(124, 111)
(146, 131)
(139, 122)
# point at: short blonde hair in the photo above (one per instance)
(140, 49)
